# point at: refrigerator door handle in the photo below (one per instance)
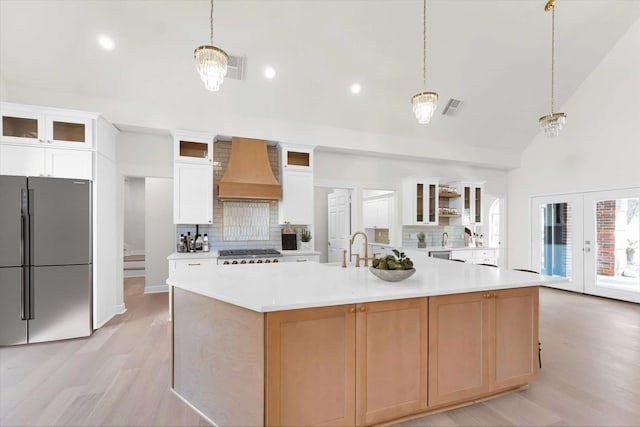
(30, 296)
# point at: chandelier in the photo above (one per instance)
(211, 62)
(424, 103)
(552, 123)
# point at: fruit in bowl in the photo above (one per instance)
(392, 268)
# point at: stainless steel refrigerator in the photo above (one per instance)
(45, 259)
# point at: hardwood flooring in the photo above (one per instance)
(120, 376)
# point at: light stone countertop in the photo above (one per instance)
(287, 286)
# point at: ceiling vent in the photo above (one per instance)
(452, 107)
(235, 67)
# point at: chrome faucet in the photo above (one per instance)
(445, 236)
(366, 249)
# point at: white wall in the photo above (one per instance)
(159, 232)
(134, 215)
(599, 148)
(320, 219)
(3, 89)
(145, 154)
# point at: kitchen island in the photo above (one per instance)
(316, 344)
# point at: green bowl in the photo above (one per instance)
(392, 275)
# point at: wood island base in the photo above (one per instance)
(355, 364)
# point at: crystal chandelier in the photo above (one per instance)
(424, 103)
(211, 62)
(552, 123)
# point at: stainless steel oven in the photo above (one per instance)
(440, 254)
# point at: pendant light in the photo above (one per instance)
(552, 123)
(211, 62)
(424, 103)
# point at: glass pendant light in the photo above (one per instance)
(424, 103)
(552, 123)
(211, 62)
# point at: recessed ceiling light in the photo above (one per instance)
(356, 88)
(106, 42)
(269, 72)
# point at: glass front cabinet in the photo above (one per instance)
(469, 204)
(34, 126)
(420, 201)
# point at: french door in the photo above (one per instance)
(556, 239)
(591, 239)
(611, 236)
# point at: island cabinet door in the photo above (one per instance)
(460, 337)
(516, 337)
(310, 361)
(391, 359)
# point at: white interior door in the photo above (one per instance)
(556, 238)
(611, 238)
(339, 226)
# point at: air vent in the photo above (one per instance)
(452, 107)
(235, 67)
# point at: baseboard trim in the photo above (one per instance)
(199, 412)
(156, 289)
(117, 310)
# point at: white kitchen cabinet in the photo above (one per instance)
(300, 258)
(420, 201)
(50, 162)
(476, 255)
(175, 265)
(192, 193)
(296, 179)
(193, 147)
(24, 124)
(377, 212)
(469, 205)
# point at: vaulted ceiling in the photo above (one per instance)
(492, 55)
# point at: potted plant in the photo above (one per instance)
(631, 250)
(421, 240)
(305, 238)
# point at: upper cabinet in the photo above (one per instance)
(469, 204)
(193, 147)
(420, 201)
(296, 157)
(192, 177)
(296, 179)
(377, 211)
(36, 125)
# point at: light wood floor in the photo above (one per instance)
(120, 376)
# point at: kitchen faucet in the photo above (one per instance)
(366, 249)
(445, 236)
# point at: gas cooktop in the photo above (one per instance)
(247, 253)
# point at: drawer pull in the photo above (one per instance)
(301, 260)
(193, 264)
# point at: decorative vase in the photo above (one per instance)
(305, 246)
(422, 244)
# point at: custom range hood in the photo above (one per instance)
(248, 175)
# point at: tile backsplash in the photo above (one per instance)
(433, 235)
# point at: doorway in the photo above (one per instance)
(591, 239)
(134, 227)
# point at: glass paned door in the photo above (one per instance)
(556, 239)
(611, 239)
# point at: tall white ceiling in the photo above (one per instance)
(493, 55)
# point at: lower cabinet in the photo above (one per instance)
(320, 362)
(391, 359)
(481, 342)
(310, 365)
(370, 363)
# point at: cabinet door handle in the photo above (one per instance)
(352, 310)
(41, 141)
(363, 309)
(486, 296)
